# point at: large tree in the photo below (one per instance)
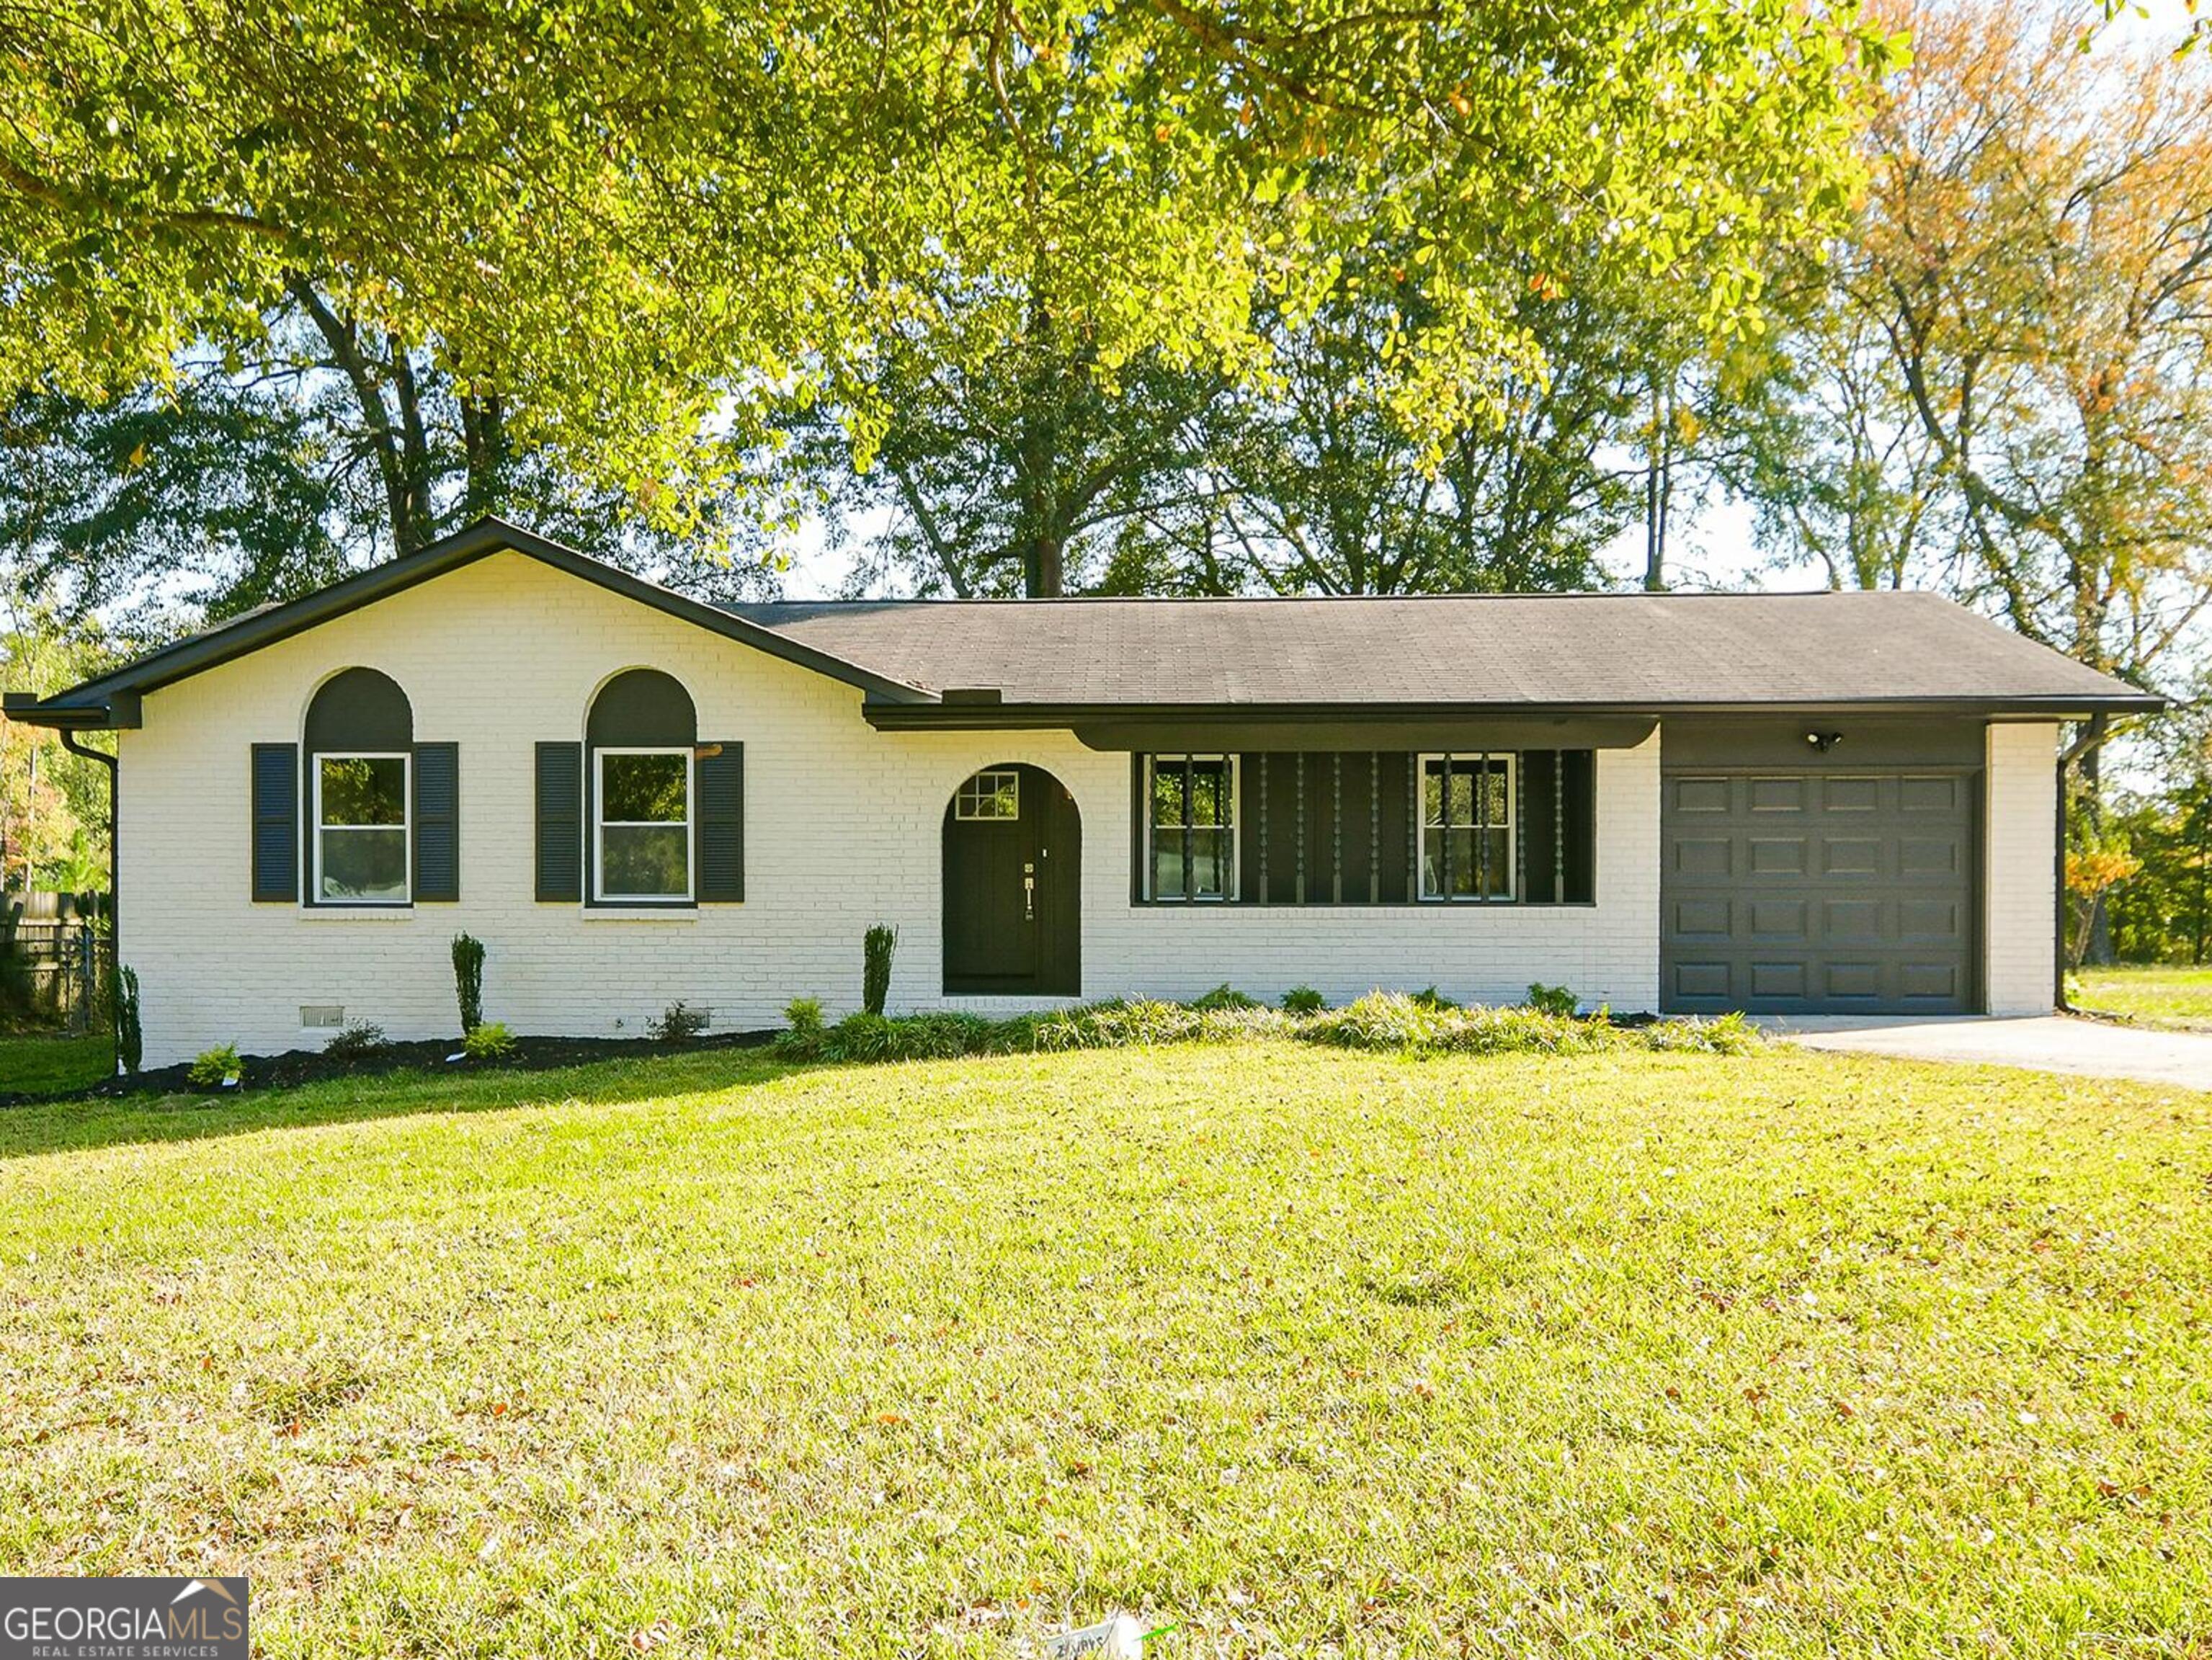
(2018, 340)
(628, 224)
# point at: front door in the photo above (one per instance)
(1014, 870)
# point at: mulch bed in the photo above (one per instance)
(297, 1067)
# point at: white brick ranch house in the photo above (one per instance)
(1786, 803)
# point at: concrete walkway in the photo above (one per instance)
(2050, 1042)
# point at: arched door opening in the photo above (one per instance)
(1013, 880)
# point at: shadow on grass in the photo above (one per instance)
(86, 1124)
(53, 1063)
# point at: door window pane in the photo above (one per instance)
(989, 795)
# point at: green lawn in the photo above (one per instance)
(2167, 995)
(40, 1063)
(1310, 1353)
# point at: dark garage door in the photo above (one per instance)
(1807, 892)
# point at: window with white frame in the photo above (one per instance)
(363, 850)
(1191, 827)
(641, 829)
(1466, 827)
(989, 794)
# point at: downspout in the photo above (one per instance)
(2091, 735)
(114, 838)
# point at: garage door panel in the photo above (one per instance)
(1926, 856)
(1850, 855)
(1777, 855)
(1855, 982)
(1779, 980)
(1696, 981)
(1930, 921)
(1705, 855)
(1927, 981)
(1851, 921)
(1799, 892)
(1850, 794)
(1928, 796)
(1703, 794)
(1779, 919)
(1702, 919)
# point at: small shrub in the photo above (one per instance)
(678, 1023)
(488, 1040)
(130, 1037)
(803, 1042)
(468, 980)
(1302, 1001)
(876, 948)
(217, 1068)
(1429, 998)
(1551, 999)
(1224, 996)
(355, 1042)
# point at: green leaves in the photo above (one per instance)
(618, 214)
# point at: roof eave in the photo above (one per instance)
(966, 715)
(63, 714)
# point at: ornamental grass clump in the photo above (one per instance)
(1725, 1034)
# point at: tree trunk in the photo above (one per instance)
(1658, 489)
(397, 468)
(1038, 536)
(483, 442)
(2203, 855)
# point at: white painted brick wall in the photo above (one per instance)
(842, 829)
(2019, 877)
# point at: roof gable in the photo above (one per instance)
(111, 699)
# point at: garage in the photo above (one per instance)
(1814, 889)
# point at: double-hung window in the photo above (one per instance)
(641, 832)
(362, 854)
(1466, 827)
(1192, 826)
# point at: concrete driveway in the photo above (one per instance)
(2050, 1042)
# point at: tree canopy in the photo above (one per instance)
(631, 221)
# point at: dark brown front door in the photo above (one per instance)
(1013, 872)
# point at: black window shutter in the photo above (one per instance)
(437, 822)
(560, 821)
(721, 824)
(276, 824)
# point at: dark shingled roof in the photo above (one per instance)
(1615, 651)
(1626, 653)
